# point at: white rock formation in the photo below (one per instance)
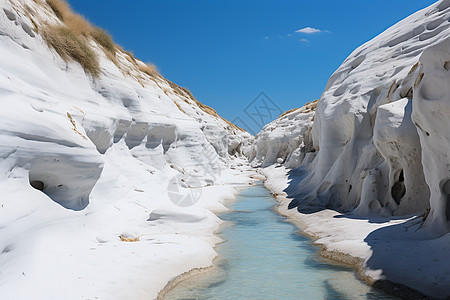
(86, 160)
(57, 121)
(287, 140)
(431, 111)
(381, 127)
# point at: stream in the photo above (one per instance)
(263, 256)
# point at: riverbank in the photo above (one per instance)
(264, 256)
(127, 244)
(405, 265)
(215, 199)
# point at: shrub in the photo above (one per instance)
(72, 46)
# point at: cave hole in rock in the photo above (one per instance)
(447, 65)
(398, 189)
(446, 191)
(37, 184)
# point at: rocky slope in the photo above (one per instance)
(95, 154)
(380, 127)
(285, 140)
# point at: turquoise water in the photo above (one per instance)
(264, 257)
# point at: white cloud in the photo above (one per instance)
(308, 30)
(304, 40)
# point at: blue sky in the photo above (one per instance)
(227, 52)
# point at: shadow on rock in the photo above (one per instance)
(299, 200)
(405, 256)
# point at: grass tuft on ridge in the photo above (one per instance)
(69, 45)
(149, 69)
(71, 41)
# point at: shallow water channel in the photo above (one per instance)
(264, 257)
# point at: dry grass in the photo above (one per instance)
(31, 14)
(127, 53)
(69, 45)
(104, 39)
(75, 22)
(232, 125)
(424, 217)
(207, 109)
(59, 7)
(74, 127)
(392, 88)
(418, 80)
(287, 112)
(149, 69)
(311, 106)
(186, 93)
(35, 26)
(307, 108)
(179, 90)
(126, 239)
(413, 68)
(179, 107)
(78, 24)
(29, 11)
(72, 40)
(130, 57)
